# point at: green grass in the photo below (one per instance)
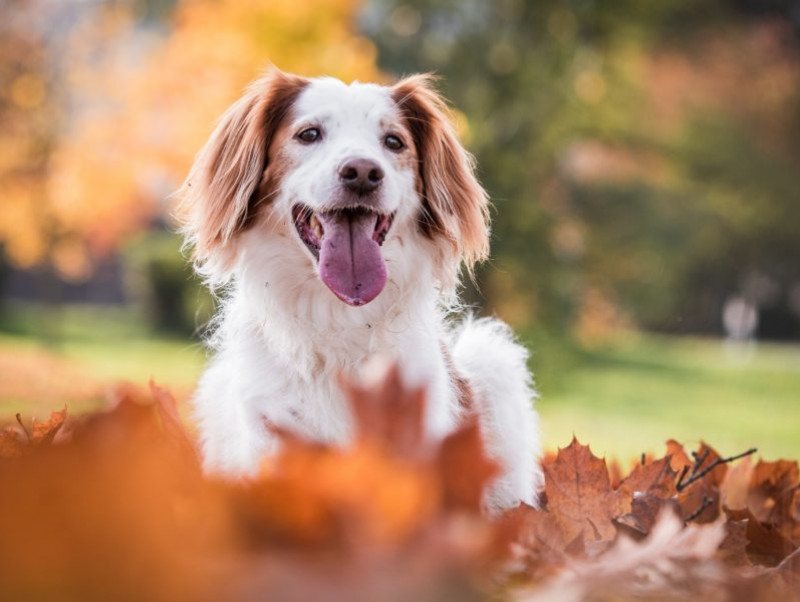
(105, 345)
(167, 361)
(622, 399)
(630, 397)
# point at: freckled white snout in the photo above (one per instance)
(361, 175)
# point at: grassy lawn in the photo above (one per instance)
(46, 362)
(630, 397)
(622, 399)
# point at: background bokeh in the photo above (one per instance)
(643, 159)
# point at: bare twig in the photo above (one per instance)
(698, 474)
(681, 477)
(707, 501)
(698, 459)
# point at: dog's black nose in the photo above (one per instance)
(361, 176)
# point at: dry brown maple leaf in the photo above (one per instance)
(12, 442)
(537, 540)
(655, 478)
(733, 549)
(672, 563)
(388, 412)
(735, 487)
(383, 489)
(77, 516)
(699, 484)
(645, 509)
(579, 494)
(464, 468)
(313, 494)
(121, 511)
(773, 486)
(789, 571)
(43, 433)
(678, 456)
(18, 440)
(766, 545)
(389, 518)
(652, 488)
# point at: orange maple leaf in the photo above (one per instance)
(579, 494)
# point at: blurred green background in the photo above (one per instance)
(643, 159)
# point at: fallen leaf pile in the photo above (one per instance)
(114, 506)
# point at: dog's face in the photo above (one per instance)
(350, 172)
(340, 170)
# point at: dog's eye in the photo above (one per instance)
(393, 143)
(309, 135)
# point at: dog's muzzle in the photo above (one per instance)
(347, 245)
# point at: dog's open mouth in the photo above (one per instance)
(346, 243)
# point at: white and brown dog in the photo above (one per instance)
(338, 217)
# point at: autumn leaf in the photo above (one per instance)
(772, 492)
(672, 563)
(708, 463)
(319, 495)
(12, 443)
(464, 468)
(651, 486)
(615, 473)
(43, 433)
(733, 549)
(18, 440)
(382, 490)
(735, 487)
(538, 540)
(766, 546)
(645, 509)
(108, 496)
(699, 485)
(655, 478)
(678, 456)
(393, 516)
(789, 570)
(388, 412)
(579, 494)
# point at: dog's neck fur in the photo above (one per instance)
(277, 297)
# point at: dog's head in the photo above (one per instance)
(340, 171)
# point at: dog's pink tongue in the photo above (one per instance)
(350, 261)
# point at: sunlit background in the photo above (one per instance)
(643, 159)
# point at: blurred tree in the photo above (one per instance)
(164, 284)
(103, 105)
(642, 156)
(28, 123)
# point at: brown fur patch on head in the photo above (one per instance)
(279, 163)
(222, 191)
(455, 206)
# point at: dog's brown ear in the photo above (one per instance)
(455, 206)
(219, 194)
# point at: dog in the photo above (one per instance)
(337, 219)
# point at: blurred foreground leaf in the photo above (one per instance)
(114, 506)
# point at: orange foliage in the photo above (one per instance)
(94, 153)
(113, 505)
(755, 67)
(586, 506)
